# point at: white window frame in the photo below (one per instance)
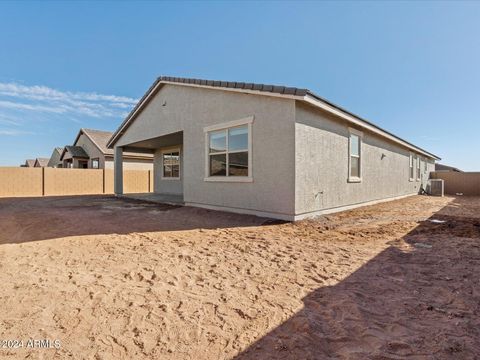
(355, 179)
(98, 163)
(411, 165)
(169, 151)
(224, 126)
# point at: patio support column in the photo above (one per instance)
(118, 170)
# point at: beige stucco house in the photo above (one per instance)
(29, 163)
(441, 167)
(273, 151)
(89, 151)
(54, 160)
(41, 162)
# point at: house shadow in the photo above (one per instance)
(43, 218)
(419, 298)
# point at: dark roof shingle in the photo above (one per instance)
(42, 162)
(441, 167)
(76, 151)
(238, 85)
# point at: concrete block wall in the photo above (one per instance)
(24, 182)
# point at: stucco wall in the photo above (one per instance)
(130, 164)
(322, 152)
(190, 109)
(166, 186)
(91, 150)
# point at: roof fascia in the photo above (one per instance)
(155, 88)
(307, 98)
(63, 153)
(365, 125)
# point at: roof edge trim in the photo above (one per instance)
(307, 96)
(132, 113)
(354, 119)
(153, 89)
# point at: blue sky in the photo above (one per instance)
(410, 67)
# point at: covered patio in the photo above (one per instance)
(167, 169)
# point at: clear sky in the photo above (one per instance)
(410, 67)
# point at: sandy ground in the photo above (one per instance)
(113, 279)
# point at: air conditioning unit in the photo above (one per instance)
(436, 187)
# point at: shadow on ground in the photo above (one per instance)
(42, 218)
(420, 298)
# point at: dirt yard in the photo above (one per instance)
(116, 279)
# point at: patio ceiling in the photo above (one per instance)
(151, 144)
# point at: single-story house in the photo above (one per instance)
(29, 163)
(54, 160)
(89, 151)
(41, 162)
(441, 167)
(274, 151)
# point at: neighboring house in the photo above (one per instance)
(267, 150)
(54, 160)
(76, 157)
(29, 163)
(440, 167)
(41, 162)
(89, 151)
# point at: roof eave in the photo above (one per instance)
(130, 116)
(157, 84)
(63, 153)
(317, 101)
(306, 96)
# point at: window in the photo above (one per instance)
(412, 171)
(418, 168)
(425, 165)
(171, 164)
(229, 151)
(95, 164)
(355, 156)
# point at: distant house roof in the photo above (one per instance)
(100, 139)
(261, 89)
(30, 162)
(41, 162)
(75, 152)
(54, 160)
(441, 167)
